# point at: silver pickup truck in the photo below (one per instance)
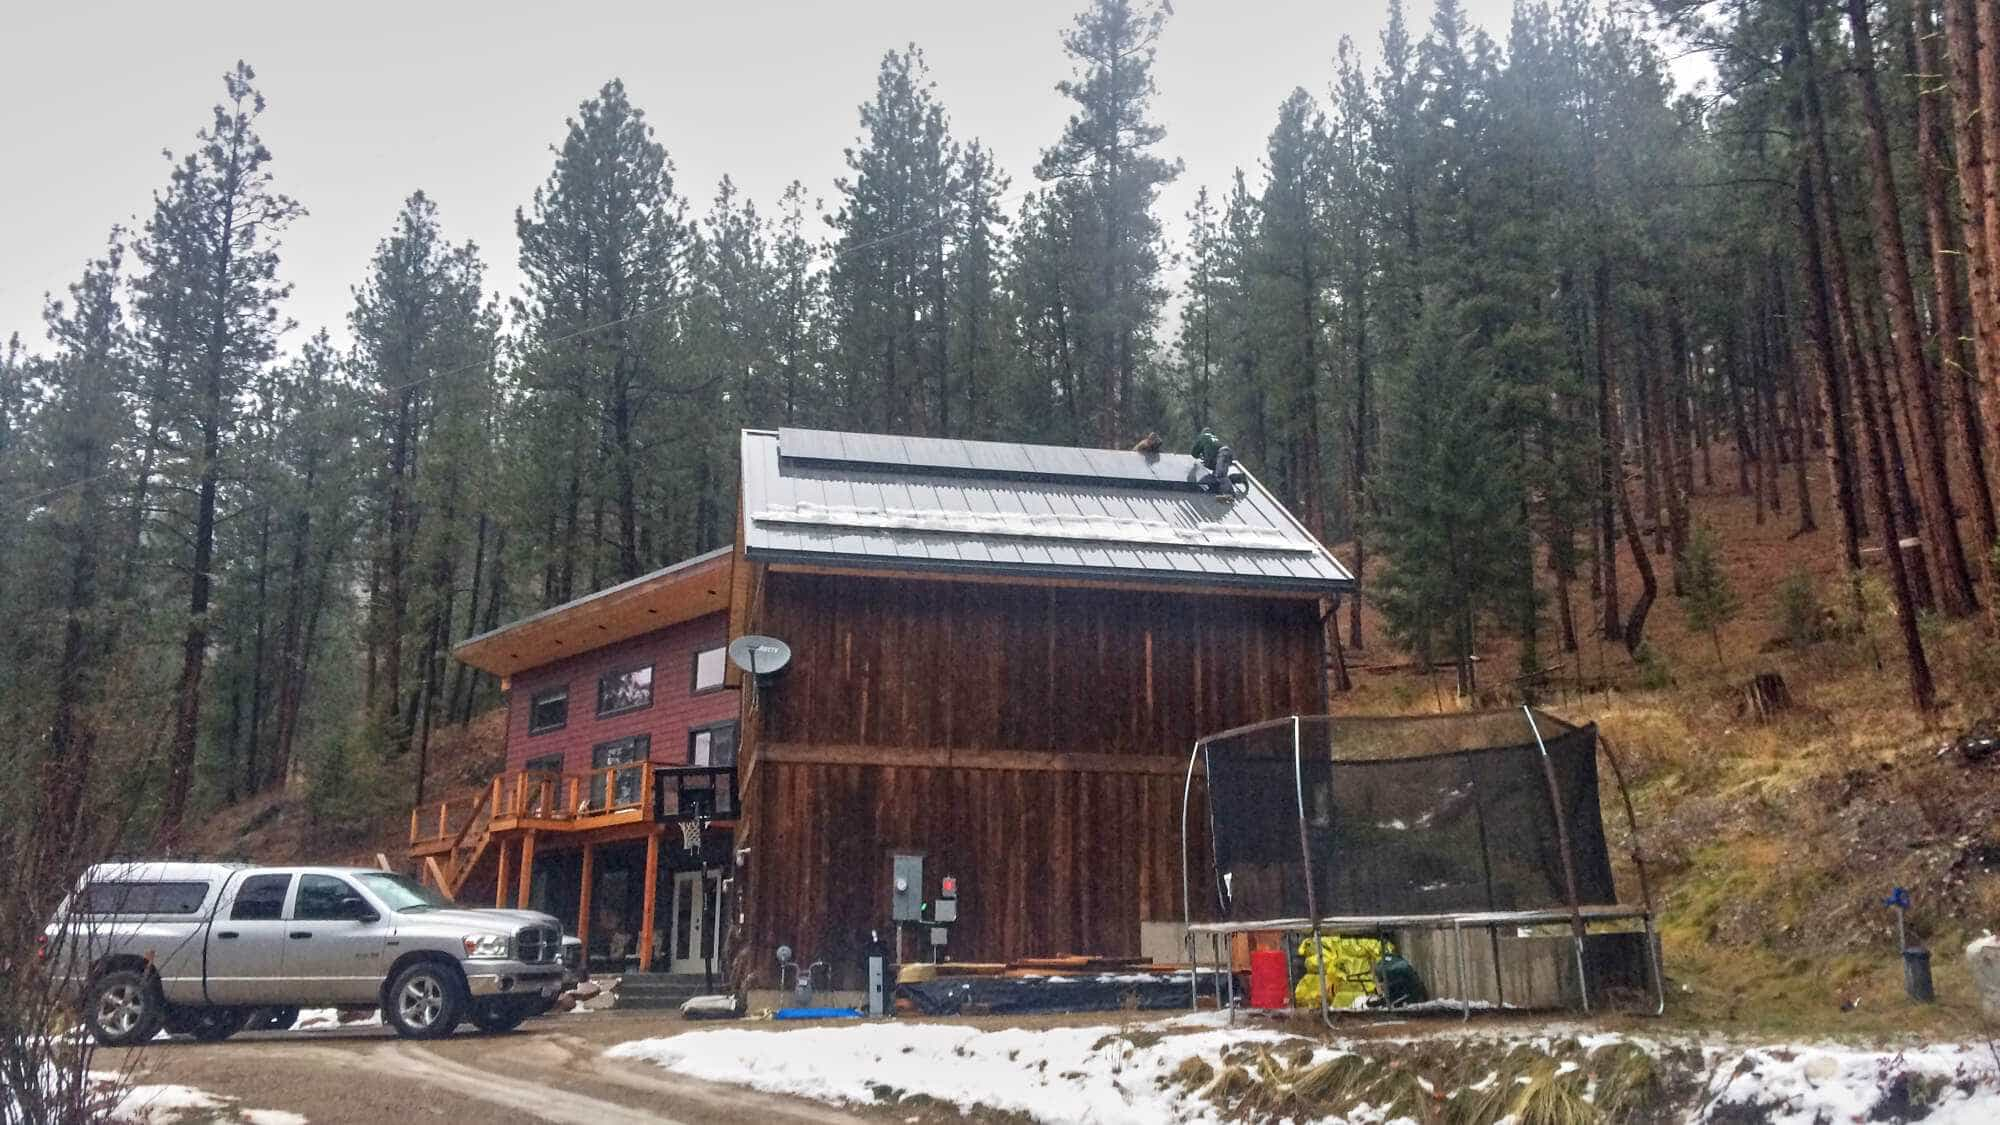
(197, 947)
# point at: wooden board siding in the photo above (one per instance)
(675, 709)
(996, 717)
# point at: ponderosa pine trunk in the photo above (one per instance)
(1823, 234)
(1961, 50)
(1963, 335)
(1610, 466)
(1906, 336)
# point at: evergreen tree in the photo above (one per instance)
(209, 308)
(1108, 177)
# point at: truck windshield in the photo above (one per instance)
(402, 894)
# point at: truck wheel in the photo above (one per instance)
(124, 1008)
(426, 1001)
(496, 1017)
(213, 1025)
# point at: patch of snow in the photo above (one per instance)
(270, 1117)
(162, 1102)
(1039, 525)
(1981, 943)
(1798, 1084)
(1098, 1074)
(328, 1019)
(1054, 1074)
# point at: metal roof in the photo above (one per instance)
(938, 504)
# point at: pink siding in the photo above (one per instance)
(675, 709)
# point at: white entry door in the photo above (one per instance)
(695, 913)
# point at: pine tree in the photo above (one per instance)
(603, 245)
(210, 308)
(1109, 177)
(1706, 591)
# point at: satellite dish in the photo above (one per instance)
(759, 656)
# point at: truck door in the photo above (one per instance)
(246, 942)
(335, 942)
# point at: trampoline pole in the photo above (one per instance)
(1569, 861)
(1653, 963)
(1305, 856)
(1187, 894)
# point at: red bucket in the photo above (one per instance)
(1269, 987)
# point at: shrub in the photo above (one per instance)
(1801, 617)
(1654, 672)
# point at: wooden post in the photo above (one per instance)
(495, 810)
(583, 900)
(527, 868)
(569, 806)
(444, 819)
(413, 824)
(500, 878)
(652, 894)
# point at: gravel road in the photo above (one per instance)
(552, 1069)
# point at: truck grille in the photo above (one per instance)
(538, 945)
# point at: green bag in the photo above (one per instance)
(1397, 982)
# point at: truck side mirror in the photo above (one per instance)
(356, 908)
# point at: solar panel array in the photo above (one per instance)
(903, 503)
(999, 459)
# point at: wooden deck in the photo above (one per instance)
(501, 824)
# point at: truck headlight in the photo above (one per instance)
(494, 946)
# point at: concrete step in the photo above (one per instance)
(662, 990)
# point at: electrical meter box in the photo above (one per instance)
(906, 887)
(945, 909)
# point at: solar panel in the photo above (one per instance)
(958, 457)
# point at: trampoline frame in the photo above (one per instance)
(1579, 916)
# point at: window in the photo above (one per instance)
(548, 710)
(626, 690)
(544, 763)
(625, 783)
(320, 897)
(712, 745)
(261, 898)
(708, 664)
(141, 898)
(403, 894)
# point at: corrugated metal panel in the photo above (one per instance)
(975, 509)
(986, 458)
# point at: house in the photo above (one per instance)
(621, 731)
(1001, 655)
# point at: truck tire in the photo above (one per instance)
(124, 1008)
(496, 1017)
(213, 1025)
(426, 1001)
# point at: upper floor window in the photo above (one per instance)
(713, 745)
(548, 710)
(708, 664)
(625, 690)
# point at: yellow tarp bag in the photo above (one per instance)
(1350, 970)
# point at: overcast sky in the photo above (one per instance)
(371, 101)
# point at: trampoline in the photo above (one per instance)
(1451, 823)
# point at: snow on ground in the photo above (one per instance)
(1110, 1075)
(1054, 1074)
(1826, 1083)
(328, 1019)
(172, 1105)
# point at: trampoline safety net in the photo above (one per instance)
(1420, 815)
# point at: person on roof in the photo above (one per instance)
(1205, 447)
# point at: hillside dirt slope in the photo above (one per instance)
(280, 827)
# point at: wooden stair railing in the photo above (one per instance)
(455, 870)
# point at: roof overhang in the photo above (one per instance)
(688, 589)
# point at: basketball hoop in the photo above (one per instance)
(691, 835)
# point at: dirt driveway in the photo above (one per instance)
(552, 1069)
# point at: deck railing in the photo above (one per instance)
(654, 791)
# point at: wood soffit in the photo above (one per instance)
(676, 594)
